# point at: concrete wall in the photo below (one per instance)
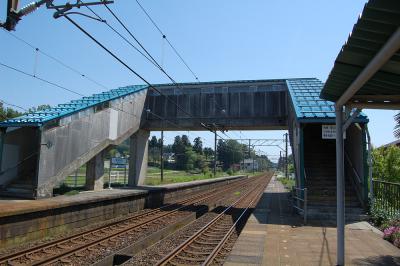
(61, 215)
(80, 137)
(260, 105)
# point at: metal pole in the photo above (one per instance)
(340, 187)
(162, 155)
(76, 178)
(2, 137)
(125, 175)
(305, 205)
(249, 149)
(215, 152)
(371, 184)
(109, 175)
(286, 156)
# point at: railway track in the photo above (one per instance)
(206, 246)
(71, 249)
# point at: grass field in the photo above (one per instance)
(153, 177)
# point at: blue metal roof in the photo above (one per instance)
(74, 106)
(304, 92)
(309, 107)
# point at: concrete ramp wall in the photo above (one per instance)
(80, 137)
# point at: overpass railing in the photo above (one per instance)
(387, 196)
(300, 202)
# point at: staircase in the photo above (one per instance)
(320, 172)
(22, 186)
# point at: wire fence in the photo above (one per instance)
(387, 196)
(79, 179)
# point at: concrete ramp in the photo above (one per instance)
(64, 138)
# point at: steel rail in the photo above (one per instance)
(195, 236)
(123, 231)
(196, 199)
(217, 249)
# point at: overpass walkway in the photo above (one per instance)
(39, 150)
(274, 236)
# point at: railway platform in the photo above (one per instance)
(273, 236)
(22, 221)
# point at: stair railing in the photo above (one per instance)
(300, 195)
(356, 179)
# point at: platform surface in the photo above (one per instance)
(273, 236)
(9, 207)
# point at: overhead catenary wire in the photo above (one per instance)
(146, 53)
(125, 64)
(168, 41)
(13, 105)
(149, 57)
(41, 79)
(57, 60)
(56, 85)
(173, 48)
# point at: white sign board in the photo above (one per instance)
(329, 132)
(119, 161)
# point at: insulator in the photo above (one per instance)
(29, 8)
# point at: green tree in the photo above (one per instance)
(198, 145)
(7, 112)
(154, 150)
(229, 152)
(208, 152)
(39, 108)
(386, 163)
(182, 148)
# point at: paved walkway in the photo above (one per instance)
(272, 236)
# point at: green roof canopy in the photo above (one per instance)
(379, 20)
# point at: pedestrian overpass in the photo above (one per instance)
(40, 149)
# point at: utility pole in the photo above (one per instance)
(250, 153)
(286, 156)
(215, 152)
(162, 156)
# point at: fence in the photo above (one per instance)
(299, 197)
(79, 180)
(387, 196)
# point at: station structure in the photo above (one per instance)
(328, 132)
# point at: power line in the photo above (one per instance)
(14, 105)
(149, 56)
(122, 36)
(57, 86)
(169, 43)
(124, 64)
(56, 60)
(41, 79)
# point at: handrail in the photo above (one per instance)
(386, 182)
(352, 168)
(304, 200)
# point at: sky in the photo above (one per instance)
(220, 40)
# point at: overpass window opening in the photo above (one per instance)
(187, 156)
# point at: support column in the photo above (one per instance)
(286, 156)
(340, 187)
(162, 156)
(139, 143)
(215, 153)
(2, 136)
(95, 172)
